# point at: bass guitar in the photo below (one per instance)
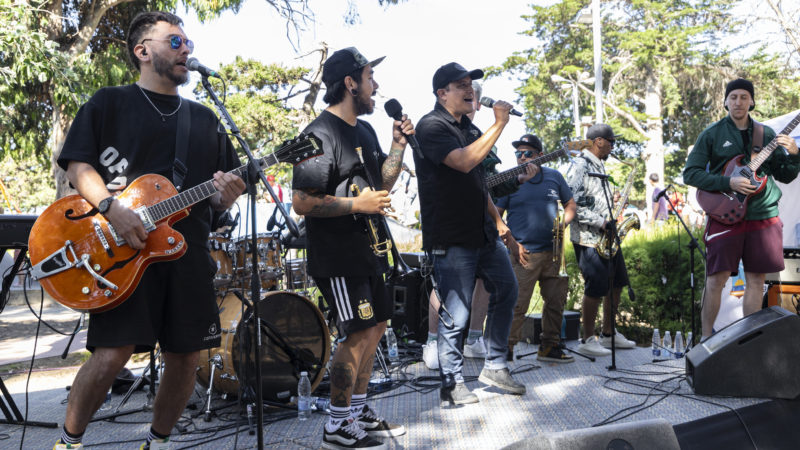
(566, 148)
(730, 207)
(84, 264)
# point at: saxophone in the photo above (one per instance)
(559, 251)
(632, 222)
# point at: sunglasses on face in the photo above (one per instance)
(526, 153)
(175, 42)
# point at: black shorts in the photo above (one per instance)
(174, 304)
(594, 269)
(360, 302)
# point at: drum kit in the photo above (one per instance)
(295, 336)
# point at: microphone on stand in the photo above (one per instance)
(489, 103)
(602, 176)
(395, 111)
(664, 192)
(194, 64)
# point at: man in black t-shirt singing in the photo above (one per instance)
(340, 259)
(120, 134)
(460, 230)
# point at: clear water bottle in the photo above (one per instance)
(689, 341)
(322, 404)
(667, 345)
(656, 342)
(391, 345)
(678, 345)
(304, 397)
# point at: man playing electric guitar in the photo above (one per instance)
(120, 134)
(758, 239)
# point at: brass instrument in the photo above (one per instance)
(379, 247)
(631, 222)
(559, 243)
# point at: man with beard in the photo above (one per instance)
(344, 267)
(122, 133)
(758, 239)
(460, 230)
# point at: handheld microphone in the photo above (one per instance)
(664, 192)
(489, 103)
(194, 64)
(395, 111)
(602, 176)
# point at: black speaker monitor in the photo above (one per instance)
(756, 356)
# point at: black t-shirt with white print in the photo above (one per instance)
(340, 246)
(122, 136)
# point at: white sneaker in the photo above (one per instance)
(620, 341)
(430, 354)
(592, 347)
(475, 350)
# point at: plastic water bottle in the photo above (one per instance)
(322, 404)
(303, 397)
(391, 345)
(656, 342)
(678, 345)
(667, 342)
(689, 341)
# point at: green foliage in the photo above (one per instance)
(28, 183)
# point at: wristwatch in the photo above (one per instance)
(105, 204)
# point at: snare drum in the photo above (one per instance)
(269, 258)
(221, 249)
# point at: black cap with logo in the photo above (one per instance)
(344, 62)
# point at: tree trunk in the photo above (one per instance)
(61, 125)
(654, 148)
(313, 91)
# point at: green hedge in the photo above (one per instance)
(657, 259)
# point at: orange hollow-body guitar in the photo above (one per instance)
(80, 260)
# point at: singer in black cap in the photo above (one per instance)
(758, 239)
(120, 134)
(460, 227)
(344, 267)
(589, 225)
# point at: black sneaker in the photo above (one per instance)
(377, 426)
(510, 354)
(457, 395)
(349, 435)
(501, 378)
(553, 354)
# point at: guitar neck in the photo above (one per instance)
(762, 156)
(196, 194)
(506, 175)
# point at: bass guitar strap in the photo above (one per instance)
(181, 145)
(758, 137)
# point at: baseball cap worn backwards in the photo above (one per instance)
(344, 62)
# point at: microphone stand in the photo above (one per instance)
(693, 245)
(611, 231)
(254, 173)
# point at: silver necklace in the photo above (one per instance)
(163, 116)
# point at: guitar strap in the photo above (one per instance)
(758, 137)
(181, 145)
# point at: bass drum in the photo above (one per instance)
(225, 379)
(294, 337)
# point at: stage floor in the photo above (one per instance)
(560, 397)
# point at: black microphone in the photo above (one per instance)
(395, 111)
(194, 64)
(664, 192)
(603, 176)
(489, 103)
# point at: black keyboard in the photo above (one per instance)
(15, 229)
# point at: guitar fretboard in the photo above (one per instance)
(506, 175)
(762, 156)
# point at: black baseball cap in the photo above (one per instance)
(451, 72)
(601, 130)
(344, 62)
(529, 139)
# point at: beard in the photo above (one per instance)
(164, 68)
(363, 106)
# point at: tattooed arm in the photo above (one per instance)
(394, 162)
(317, 204)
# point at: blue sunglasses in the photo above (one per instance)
(175, 42)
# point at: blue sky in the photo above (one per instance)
(416, 36)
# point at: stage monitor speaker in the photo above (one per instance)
(410, 303)
(654, 434)
(756, 356)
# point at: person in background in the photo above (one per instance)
(660, 207)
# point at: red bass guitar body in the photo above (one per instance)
(729, 207)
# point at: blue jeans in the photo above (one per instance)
(455, 274)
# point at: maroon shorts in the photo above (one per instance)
(758, 243)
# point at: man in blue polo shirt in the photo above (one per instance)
(531, 214)
(460, 230)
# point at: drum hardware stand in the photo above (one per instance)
(151, 394)
(693, 245)
(216, 363)
(254, 173)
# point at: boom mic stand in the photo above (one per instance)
(693, 245)
(254, 173)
